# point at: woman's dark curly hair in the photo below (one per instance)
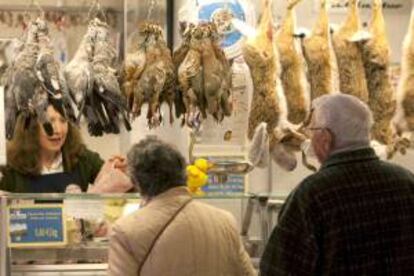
(156, 167)
(23, 151)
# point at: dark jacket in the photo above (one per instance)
(89, 164)
(355, 216)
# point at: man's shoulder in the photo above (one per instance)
(316, 184)
(315, 181)
(392, 168)
(357, 169)
(330, 179)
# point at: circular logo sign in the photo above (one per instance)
(221, 13)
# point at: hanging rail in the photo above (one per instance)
(83, 9)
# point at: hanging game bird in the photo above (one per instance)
(49, 73)
(204, 74)
(79, 74)
(34, 81)
(149, 75)
(93, 82)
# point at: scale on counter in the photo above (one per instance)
(221, 169)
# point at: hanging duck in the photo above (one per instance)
(34, 81)
(93, 82)
(178, 57)
(108, 102)
(149, 75)
(79, 74)
(204, 75)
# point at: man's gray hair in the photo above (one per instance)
(156, 166)
(347, 117)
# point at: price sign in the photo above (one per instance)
(229, 184)
(36, 226)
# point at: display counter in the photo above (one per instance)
(68, 233)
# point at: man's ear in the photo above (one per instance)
(330, 139)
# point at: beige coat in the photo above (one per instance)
(200, 240)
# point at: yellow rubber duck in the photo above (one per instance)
(203, 164)
(197, 176)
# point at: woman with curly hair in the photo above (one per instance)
(38, 163)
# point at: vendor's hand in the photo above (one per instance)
(120, 162)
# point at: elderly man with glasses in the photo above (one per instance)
(355, 216)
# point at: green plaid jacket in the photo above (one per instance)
(355, 216)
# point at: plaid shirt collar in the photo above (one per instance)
(352, 156)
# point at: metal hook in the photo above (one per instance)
(101, 11)
(28, 15)
(227, 6)
(96, 10)
(91, 9)
(35, 3)
(152, 4)
(42, 12)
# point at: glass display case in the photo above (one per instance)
(69, 232)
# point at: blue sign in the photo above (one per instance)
(36, 225)
(232, 185)
(228, 184)
(221, 13)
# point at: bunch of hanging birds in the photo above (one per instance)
(93, 82)
(88, 84)
(148, 75)
(34, 81)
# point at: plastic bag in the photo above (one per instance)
(259, 147)
(111, 180)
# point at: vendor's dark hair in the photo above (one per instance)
(156, 167)
(23, 151)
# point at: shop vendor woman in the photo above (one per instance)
(38, 163)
